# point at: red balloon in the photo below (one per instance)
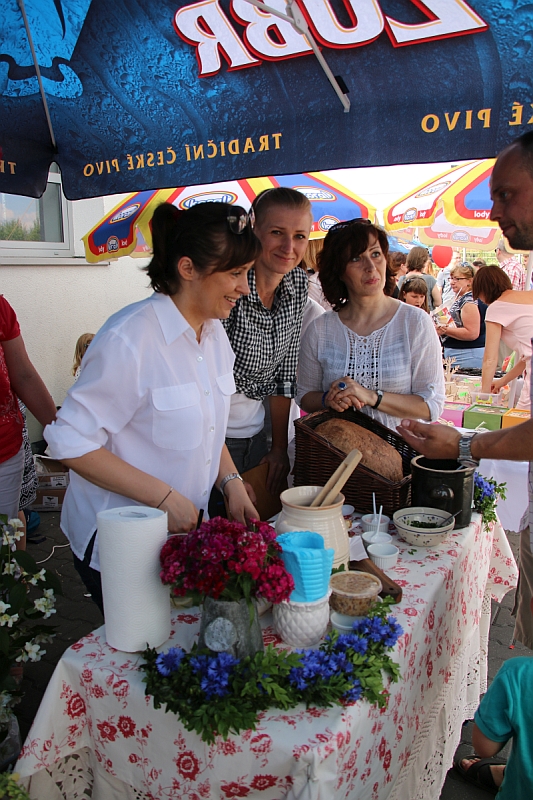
(441, 255)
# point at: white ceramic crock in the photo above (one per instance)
(328, 521)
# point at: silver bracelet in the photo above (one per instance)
(230, 477)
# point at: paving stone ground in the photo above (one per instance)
(77, 615)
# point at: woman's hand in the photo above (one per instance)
(353, 394)
(182, 514)
(240, 505)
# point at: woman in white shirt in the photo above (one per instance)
(145, 423)
(371, 352)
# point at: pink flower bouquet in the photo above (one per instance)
(226, 561)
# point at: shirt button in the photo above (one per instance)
(211, 429)
(199, 358)
(204, 493)
(208, 462)
(207, 392)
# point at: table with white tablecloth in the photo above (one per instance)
(97, 735)
(514, 475)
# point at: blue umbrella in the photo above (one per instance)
(127, 97)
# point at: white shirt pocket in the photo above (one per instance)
(177, 417)
(226, 383)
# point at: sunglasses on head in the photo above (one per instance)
(238, 219)
(357, 221)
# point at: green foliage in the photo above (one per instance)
(486, 494)
(10, 788)
(27, 595)
(14, 231)
(264, 681)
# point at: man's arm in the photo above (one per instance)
(442, 441)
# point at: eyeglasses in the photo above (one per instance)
(357, 221)
(238, 219)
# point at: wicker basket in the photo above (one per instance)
(316, 460)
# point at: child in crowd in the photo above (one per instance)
(81, 348)
(505, 712)
(413, 292)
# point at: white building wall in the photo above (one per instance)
(56, 303)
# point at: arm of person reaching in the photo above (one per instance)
(442, 441)
(26, 381)
(513, 373)
(471, 320)
(490, 357)
(277, 458)
(240, 496)
(111, 473)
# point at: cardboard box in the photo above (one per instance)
(490, 416)
(515, 416)
(48, 499)
(453, 412)
(51, 473)
(53, 478)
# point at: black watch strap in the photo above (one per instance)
(380, 398)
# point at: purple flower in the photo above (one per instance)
(169, 662)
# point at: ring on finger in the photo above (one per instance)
(341, 385)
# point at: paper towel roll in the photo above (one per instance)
(136, 604)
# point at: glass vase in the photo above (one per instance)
(231, 627)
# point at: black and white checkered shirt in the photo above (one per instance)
(266, 342)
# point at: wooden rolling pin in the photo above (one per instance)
(329, 492)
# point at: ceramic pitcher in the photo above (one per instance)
(296, 515)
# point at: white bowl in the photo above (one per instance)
(368, 522)
(381, 538)
(384, 556)
(347, 511)
(342, 622)
(422, 537)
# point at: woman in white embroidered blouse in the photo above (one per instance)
(371, 352)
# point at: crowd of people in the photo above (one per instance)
(178, 394)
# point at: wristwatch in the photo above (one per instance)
(232, 476)
(465, 454)
(380, 398)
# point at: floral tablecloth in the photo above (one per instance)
(97, 735)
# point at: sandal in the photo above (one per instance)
(479, 773)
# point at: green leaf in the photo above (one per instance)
(18, 595)
(26, 561)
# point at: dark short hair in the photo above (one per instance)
(280, 196)
(490, 283)
(525, 143)
(479, 262)
(417, 259)
(203, 234)
(339, 247)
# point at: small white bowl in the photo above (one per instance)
(384, 556)
(381, 538)
(347, 511)
(368, 522)
(342, 622)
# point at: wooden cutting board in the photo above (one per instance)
(390, 588)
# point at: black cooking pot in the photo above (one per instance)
(444, 484)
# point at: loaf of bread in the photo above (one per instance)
(378, 455)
